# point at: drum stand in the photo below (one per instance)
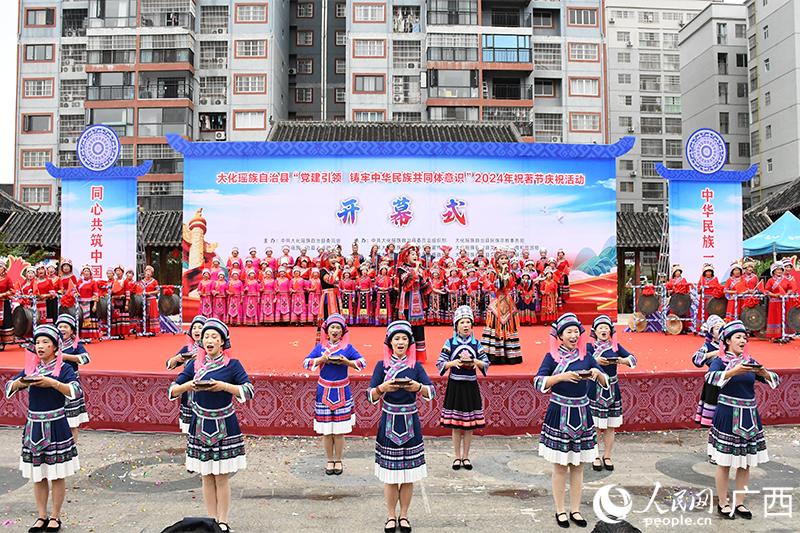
(659, 316)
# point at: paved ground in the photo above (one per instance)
(136, 483)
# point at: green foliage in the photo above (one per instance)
(32, 256)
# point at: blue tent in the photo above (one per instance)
(783, 236)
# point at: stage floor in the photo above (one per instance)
(281, 350)
(126, 383)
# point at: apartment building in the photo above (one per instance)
(714, 86)
(645, 94)
(773, 36)
(210, 70)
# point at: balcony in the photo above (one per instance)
(162, 129)
(110, 57)
(453, 18)
(505, 19)
(166, 89)
(405, 19)
(507, 55)
(110, 92)
(506, 91)
(168, 20)
(447, 53)
(74, 22)
(112, 22)
(213, 63)
(163, 55)
(452, 92)
(166, 166)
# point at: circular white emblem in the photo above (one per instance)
(706, 151)
(98, 148)
(606, 510)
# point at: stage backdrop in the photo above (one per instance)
(460, 194)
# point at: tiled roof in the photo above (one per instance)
(786, 199)
(9, 205)
(394, 131)
(159, 228)
(643, 230)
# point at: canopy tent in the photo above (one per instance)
(783, 236)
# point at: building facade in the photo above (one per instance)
(210, 70)
(773, 36)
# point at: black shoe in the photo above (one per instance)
(562, 523)
(51, 528)
(466, 464)
(36, 528)
(406, 528)
(743, 511)
(388, 529)
(329, 471)
(338, 471)
(457, 464)
(607, 464)
(728, 515)
(597, 466)
(580, 522)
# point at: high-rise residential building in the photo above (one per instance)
(644, 87)
(206, 69)
(773, 36)
(538, 64)
(714, 88)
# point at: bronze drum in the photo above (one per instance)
(101, 309)
(22, 320)
(793, 318)
(136, 306)
(754, 318)
(717, 306)
(647, 304)
(169, 305)
(76, 311)
(680, 304)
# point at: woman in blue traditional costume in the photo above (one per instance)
(49, 453)
(568, 436)
(333, 405)
(736, 439)
(74, 354)
(187, 353)
(215, 447)
(399, 449)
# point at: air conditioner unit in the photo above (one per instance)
(611, 21)
(219, 136)
(77, 67)
(292, 71)
(633, 173)
(203, 101)
(64, 104)
(681, 24)
(221, 62)
(217, 102)
(413, 64)
(68, 61)
(631, 130)
(398, 98)
(64, 69)
(76, 104)
(629, 44)
(70, 33)
(555, 139)
(64, 140)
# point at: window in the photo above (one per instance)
(304, 95)
(369, 116)
(369, 48)
(38, 52)
(623, 36)
(670, 41)
(651, 125)
(251, 48)
(724, 122)
(542, 19)
(672, 105)
(623, 57)
(40, 17)
(722, 64)
(546, 88)
(648, 16)
(741, 90)
(722, 33)
(768, 98)
(341, 38)
(408, 54)
(741, 31)
(305, 65)
(650, 104)
(341, 95)
(743, 120)
(652, 191)
(672, 84)
(251, 13)
(673, 126)
(156, 122)
(672, 62)
(582, 17)
(341, 66)
(584, 87)
(305, 10)
(754, 110)
(583, 52)
(766, 64)
(674, 147)
(507, 48)
(38, 88)
(341, 10)
(35, 194)
(649, 40)
(650, 82)
(32, 159)
(624, 79)
(766, 32)
(587, 122)
(626, 164)
(649, 169)
(626, 186)
(453, 113)
(744, 149)
(407, 116)
(249, 120)
(722, 91)
(250, 84)
(304, 38)
(741, 60)
(626, 208)
(626, 99)
(769, 165)
(649, 62)
(652, 147)
(37, 123)
(369, 84)
(768, 132)
(369, 12)
(626, 123)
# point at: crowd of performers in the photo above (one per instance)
(367, 290)
(743, 289)
(579, 372)
(56, 289)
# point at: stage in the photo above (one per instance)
(126, 383)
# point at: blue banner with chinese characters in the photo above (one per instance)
(463, 195)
